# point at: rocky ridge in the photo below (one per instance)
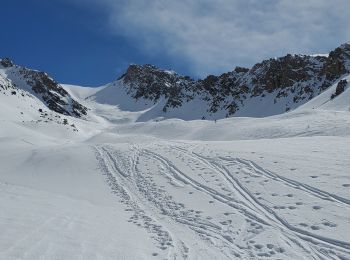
(40, 85)
(290, 80)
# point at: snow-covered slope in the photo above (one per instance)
(80, 93)
(117, 94)
(330, 100)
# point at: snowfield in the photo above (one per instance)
(120, 188)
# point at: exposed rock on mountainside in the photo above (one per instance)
(6, 62)
(40, 85)
(337, 64)
(284, 83)
(340, 88)
(151, 83)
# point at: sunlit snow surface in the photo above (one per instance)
(240, 188)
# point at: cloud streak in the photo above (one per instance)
(212, 36)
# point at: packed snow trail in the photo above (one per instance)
(215, 200)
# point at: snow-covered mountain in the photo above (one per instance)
(93, 173)
(271, 87)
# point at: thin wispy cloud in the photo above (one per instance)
(213, 36)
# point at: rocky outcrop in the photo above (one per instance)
(6, 62)
(43, 87)
(340, 88)
(336, 65)
(151, 83)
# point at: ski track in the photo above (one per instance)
(119, 186)
(166, 219)
(223, 198)
(307, 236)
(289, 182)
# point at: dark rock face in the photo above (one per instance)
(149, 82)
(337, 64)
(340, 88)
(45, 88)
(284, 72)
(296, 77)
(52, 93)
(6, 62)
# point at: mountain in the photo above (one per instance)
(17, 80)
(80, 179)
(270, 87)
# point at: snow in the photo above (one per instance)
(324, 101)
(81, 92)
(127, 185)
(320, 55)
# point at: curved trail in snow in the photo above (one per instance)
(117, 179)
(315, 239)
(147, 178)
(292, 183)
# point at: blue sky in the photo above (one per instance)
(91, 42)
(73, 43)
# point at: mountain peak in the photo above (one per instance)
(6, 62)
(42, 86)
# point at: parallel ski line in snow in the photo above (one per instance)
(213, 193)
(211, 230)
(222, 198)
(295, 184)
(268, 216)
(131, 201)
(136, 177)
(306, 235)
(244, 193)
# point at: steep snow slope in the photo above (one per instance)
(325, 100)
(117, 94)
